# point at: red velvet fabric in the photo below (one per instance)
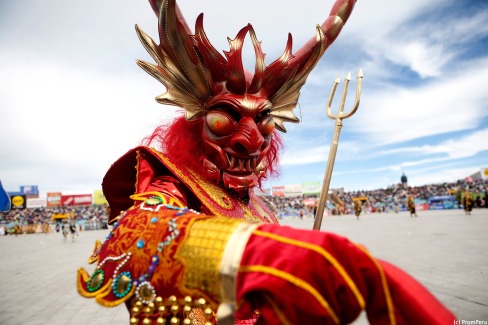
(295, 274)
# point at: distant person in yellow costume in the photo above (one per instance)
(411, 207)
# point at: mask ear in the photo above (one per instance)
(179, 66)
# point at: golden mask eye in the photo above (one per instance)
(219, 123)
(266, 125)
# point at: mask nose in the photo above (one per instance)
(247, 139)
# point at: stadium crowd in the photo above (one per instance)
(393, 198)
(87, 217)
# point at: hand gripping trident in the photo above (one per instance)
(335, 141)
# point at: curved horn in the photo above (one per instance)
(331, 27)
(284, 90)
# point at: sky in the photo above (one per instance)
(72, 99)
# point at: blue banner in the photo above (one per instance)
(4, 199)
(442, 202)
(29, 190)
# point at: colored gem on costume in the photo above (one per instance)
(182, 211)
(122, 284)
(95, 281)
(154, 200)
(172, 207)
(140, 243)
(145, 292)
(154, 219)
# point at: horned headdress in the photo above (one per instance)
(193, 71)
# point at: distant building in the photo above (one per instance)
(476, 176)
(404, 180)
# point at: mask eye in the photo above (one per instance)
(266, 125)
(219, 123)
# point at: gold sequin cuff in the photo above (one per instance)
(202, 253)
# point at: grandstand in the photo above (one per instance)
(289, 201)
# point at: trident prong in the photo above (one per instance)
(335, 140)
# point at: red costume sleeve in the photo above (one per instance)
(307, 277)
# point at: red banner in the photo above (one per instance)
(53, 199)
(310, 202)
(278, 191)
(77, 199)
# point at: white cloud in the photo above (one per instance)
(71, 121)
(462, 147)
(395, 115)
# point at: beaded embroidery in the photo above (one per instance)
(96, 281)
(98, 246)
(122, 284)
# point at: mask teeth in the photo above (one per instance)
(233, 162)
(240, 165)
(255, 163)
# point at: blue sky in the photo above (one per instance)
(72, 99)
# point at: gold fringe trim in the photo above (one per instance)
(94, 258)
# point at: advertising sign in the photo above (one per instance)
(311, 188)
(442, 202)
(99, 197)
(262, 191)
(18, 202)
(310, 202)
(278, 191)
(76, 199)
(36, 203)
(29, 190)
(421, 204)
(54, 199)
(484, 173)
(293, 190)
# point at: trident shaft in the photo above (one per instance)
(335, 140)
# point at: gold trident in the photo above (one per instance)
(335, 140)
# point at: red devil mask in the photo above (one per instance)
(239, 109)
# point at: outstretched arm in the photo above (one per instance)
(159, 254)
(305, 277)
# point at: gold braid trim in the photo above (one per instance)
(321, 251)
(166, 200)
(94, 256)
(300, 283)
(384, 283)
(202, 253)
